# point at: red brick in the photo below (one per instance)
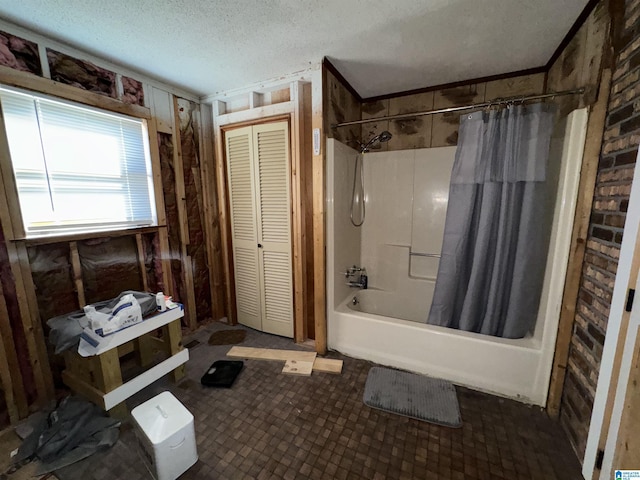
(620, 114)
(603, 234)
(615, 220)
(626, 158)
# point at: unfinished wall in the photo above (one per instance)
(20, 54)
(109, 266)
(81, 74)
(340, 105)
(165, 141)
(579, 65)
(59, 276)
(188, 115)
(152, 261)
(53, 278)
(14, 330)
(439, 130)
(132, 91)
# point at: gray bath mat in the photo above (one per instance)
(411, 395)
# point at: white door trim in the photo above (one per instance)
(605, 375)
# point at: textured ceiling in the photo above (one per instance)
(381, 47)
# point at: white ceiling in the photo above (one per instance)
(380, 46)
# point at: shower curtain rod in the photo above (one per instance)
(497, 101)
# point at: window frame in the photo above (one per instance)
(10, 202)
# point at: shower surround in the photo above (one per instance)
(406, 194)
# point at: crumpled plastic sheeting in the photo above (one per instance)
(75, 430)
(66, 329)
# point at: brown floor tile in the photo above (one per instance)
(271, 425)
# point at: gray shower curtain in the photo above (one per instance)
(497, 226)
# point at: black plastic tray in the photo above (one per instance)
(222, 373)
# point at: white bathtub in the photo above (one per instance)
(400, 305)
(371, 330)
(486, 363)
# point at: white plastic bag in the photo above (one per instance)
(127, 312)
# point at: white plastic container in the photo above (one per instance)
(167, 436)
(161, 302)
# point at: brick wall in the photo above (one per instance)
(610, 203)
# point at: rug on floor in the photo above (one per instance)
(227, 337)
(412, 395)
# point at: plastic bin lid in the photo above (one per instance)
(161, 417)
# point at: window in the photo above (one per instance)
(77, 168)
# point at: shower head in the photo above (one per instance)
(381, 137)
(384, 137)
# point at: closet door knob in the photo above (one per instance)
(259, 245)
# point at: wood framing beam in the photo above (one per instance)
(271, 354)
(108, 377)
(260, 113)
(318, 166)
(154, 151)
(12, 385)
(172, 336)
(79, 385)
(225, 221)
(210, 213)
(141, 265)
(33, 328)
(28, 81)
(178, 171)
(183, 221)
(17, 394)
(327, 365)
(588, 175)
(307, 198)
(30, 320)
(163, 236)
(143, 346)
(76, 237)
(297, 212)
(12, 221)
(21, 272)
(163, 242)
(77, 273)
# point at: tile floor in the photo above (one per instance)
(271, 425)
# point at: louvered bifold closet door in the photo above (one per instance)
(271, 148)
(242, 199)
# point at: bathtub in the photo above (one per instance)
(490, 364)
(387, 325)
(400, 305)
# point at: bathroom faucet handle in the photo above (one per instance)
(350, 271)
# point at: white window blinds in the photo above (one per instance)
(77, 168)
